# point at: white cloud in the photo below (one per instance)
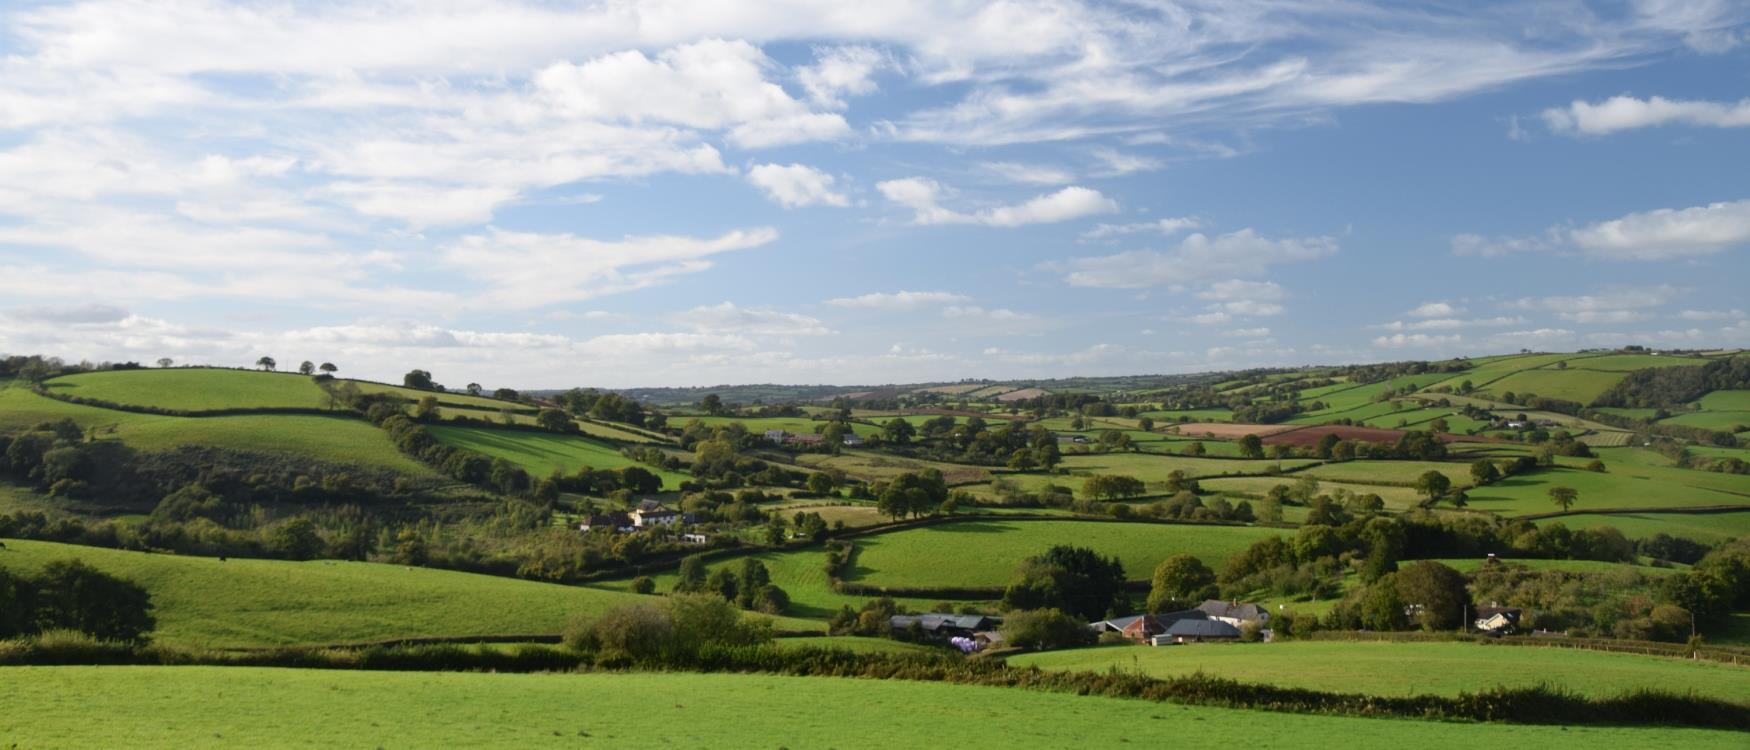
(1620, 113)
(972, 319)
(1212, 318)
(1618, 305)
(1711, 315)
(840, 71)
(1538, 339)
(1446, 324)
(1028, 174)
(923, 196)
(1435, 310)
(1168, 226)
(1661, 234)
(1417, 341)
(727, 317)
(796, 185)
(1116, 163)
(68, 315)
(902, 300)
(1197, 257)
(1248, 333)
(523, 270)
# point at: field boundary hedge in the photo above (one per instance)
(338, 411)
(1695, 510)
(1723, 654)
(1535, 705)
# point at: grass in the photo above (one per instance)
(985, 553)
(1626, 485)
(1725, 401)
(1394, 497)
(541, 453)
(447, 398)
(1574, 384)
(336, 439)
(1154, 468)
(1399, 669)
(800, 573)
(1722, 421)
(239, 602)
(1628, 362)
(856, 644)
(177, 707)
(871, 467)
(195, 389)
(797, 425)
(1708, 528)
(1363, 472)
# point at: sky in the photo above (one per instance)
(673, 193)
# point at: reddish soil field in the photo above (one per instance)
(1024, 393)
(1305, 437)
(1225, 431)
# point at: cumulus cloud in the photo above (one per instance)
(1435, 310)
(1029, 174)
(1444, 324)
(842, 71)
(1620, 113)
(923, 196)
(901, 300)
(1168, 226)
(1197, 257)
(728, 317)
(1617, 305)
(523, 270)
(68, 315)
(796, 185)
(1661, 234)
(1417, 341)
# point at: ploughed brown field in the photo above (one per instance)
(1311, 435)
(1226, 431)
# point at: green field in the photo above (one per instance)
(1405, 472)
(1394, 497)
(180, 707)
(1710, 528)
(195, 389)
(800, 573)
(337, 439)
(1726, 401)
(1722, 421)
(1629, 362)
(796, 425)
(871, 467)
(1154, 468)
(1573, 384)
(447, 398)
(1496, 368)
(1194, 415)
(1412, 668)
(238, 602)
(1625, 485)
(541, 453)
(985, 553)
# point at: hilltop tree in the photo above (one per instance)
(307, 368)
(328, 367)
(474, 389)
(165, 362)
(507, 394)
(266, 363)
(1564, 497)
(1251, 446)
(418, 379)
(1433, 484)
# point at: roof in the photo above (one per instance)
(1235, 610)
(1203, 629)
(1152, 623)
(935, 621)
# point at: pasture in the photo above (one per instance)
(1631, 362)
(179, 707)
(1573, 384)
(1401, 669)
(242, 602)
(871, 467)
(1153, 468)
(985, 553)
(540, 454)
(445, 398)
(194, 389)
(800, 573)
(1394, 497)
(1722, 421)
(1725, 401)
(1710, 528)
(1389, 472)
(1623, 486)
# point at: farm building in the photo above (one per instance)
(1197, 631)
(619, 521)
(1144, 627)
(1497, 620)
(946, 626)
(1234, 613)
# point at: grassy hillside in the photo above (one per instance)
(985, 553)
(541, 453)
(241, 602)
(1573, 384)
(1412, 668)
(195, 389)
(449, 398)
(1711, 528)
(178, 707)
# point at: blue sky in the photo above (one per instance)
(693, 193)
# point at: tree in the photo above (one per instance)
(1435, 592)
(1179, 582)
(328, 367)
(506, 394)
(427, 409)
(474, 389)
(1042, 629)
(554, 420)
(1146, 424)
(1076, 580)
(723, 582)
(297, 539)
(898, 431)
(418, 379)
(1564, 497)
(711, 404)
(165, 361)
(1251, 446)
(1196, 448)
(307, 368)
(643, 585)
(692, 574)
(266, 363)
(1439, 425)
(1483, 471)
(1433, 484)
(1021, 460)
(820, 483)
(75, 596)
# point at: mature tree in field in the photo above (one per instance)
(820, 483)
(1021, 460)
(1564, 497)
(1180, 582)
(1179, 481)
(72, 595)
(1305, 488)
(474, 389)
(898, 431)
(1435, 592)
(554, 420)
(911, 494)
(307, 368)
(1076, 423)
(1047, 454)
(418, 379)
(711, 404)
(1076, 580)
(1439, 425)
(1251, 446)
(297, 539)
(1146, 424)
(1114, 440)
(692, 574)
(1483, 472)
(1343, 450)
(1433, 484)
(1326, 443)
(165, 361)
(723, 582)
(266, 363)
(507, 394)
(328, 367)
(1044, 629)
(1196, 448)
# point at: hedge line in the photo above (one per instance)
(1537, 705)
(339, 411)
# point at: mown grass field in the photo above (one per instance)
(337, 439)
(871, 467)
(797, 425)
(1726, 401)
(541, 453)
(1722, 421)
(195, 389)
(445, 398)
(1572, 384)
(1623, 486)
(180, 707)
(1154, 468)
(1362, 472)
(800, 573)
(985, 553)
(239, 602)
(1398, 669)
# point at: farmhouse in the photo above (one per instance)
(945, 626)
(619, 521)
(1497, 620)
(1234, 613)
(650, 513)
(1147, 626)
(775, 437)
(1076, 439)
(852, 440)
(1197, 631)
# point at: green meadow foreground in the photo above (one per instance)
(178, 707)
(239, 602)
(1402, 669)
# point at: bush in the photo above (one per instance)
(1044, 629)
(643, 585)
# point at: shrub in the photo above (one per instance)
(1045, 629)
